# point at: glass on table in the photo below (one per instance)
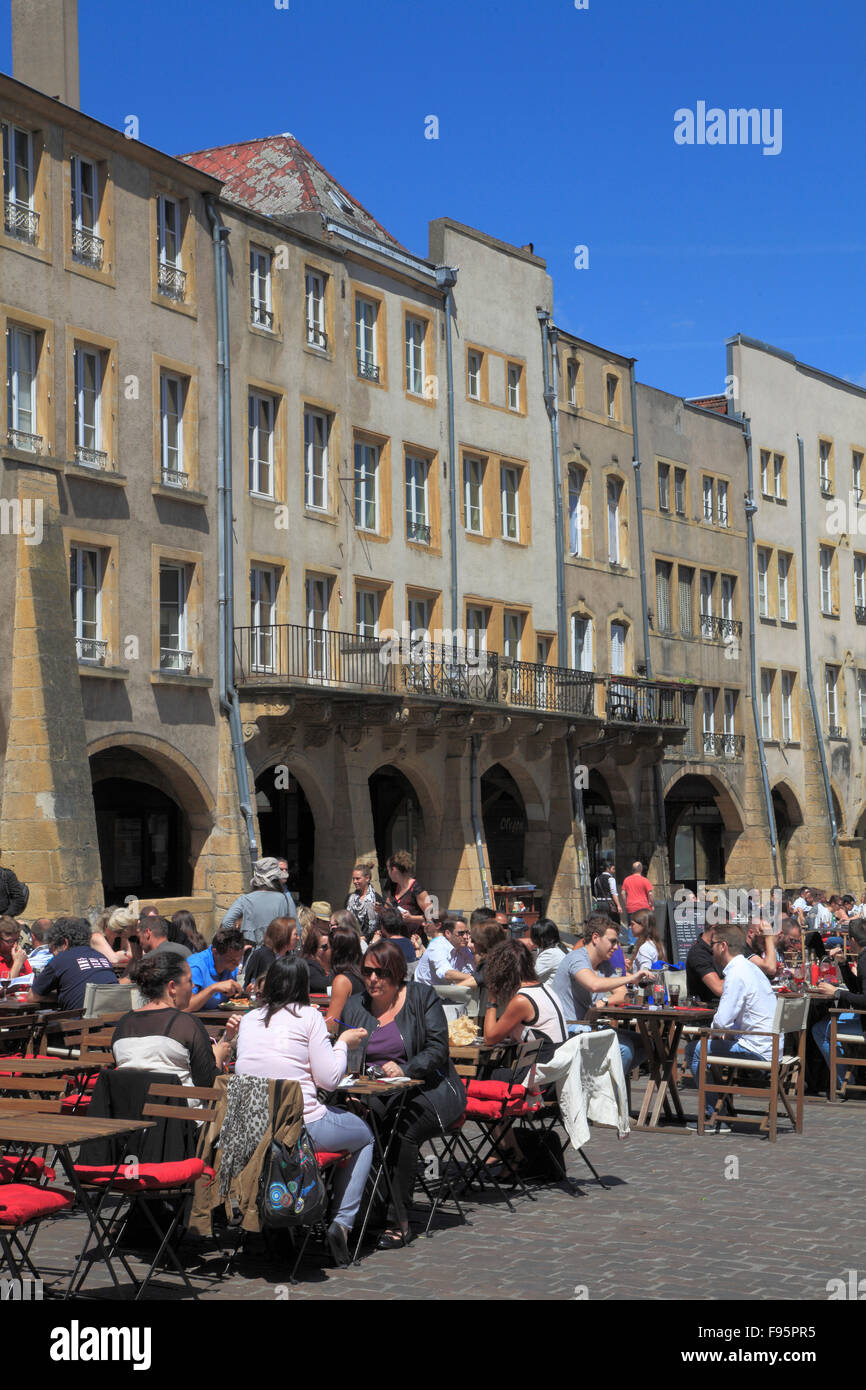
(674, 995)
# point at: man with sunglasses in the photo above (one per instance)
(448, 959)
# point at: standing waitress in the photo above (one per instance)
(413, 901)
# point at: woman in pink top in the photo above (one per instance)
(285, 1039)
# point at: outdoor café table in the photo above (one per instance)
(483, 1056)
(15, 1008)
(62, 1133)
(78, 1068)
(363, 1090)
(660, 1031)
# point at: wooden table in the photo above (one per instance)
(62, 1133)
(13, 1008)
(365, 1089)
(477, 1059)
(660, 1031)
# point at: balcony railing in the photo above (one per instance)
(724, 745)
(717, 629)
(92, 458)
(87, 246)
(27, 443)
(368, 369)
(171, 280)
(417, 531)
(260, 314)
(860, 612)
(290, 653)
(632, 701)
(21, 221)
(175, 477)
(175, 659)
(317, 337)
(835, 731)
(91, 650)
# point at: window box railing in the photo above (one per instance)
(317, 337)
(724, 745)
(171, 280)
(92, 651)
(860, 612)
(368, 369)
(835, 731)
(87, 247)
(175, 477)
(717, 629)
(20, 220)
(633, 701)
(92, 458)
(27, 443)
(175, 659)
(417, 531)
(261, 315)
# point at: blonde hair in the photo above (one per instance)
(306, 919)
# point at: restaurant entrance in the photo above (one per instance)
(286, 828)
(143, 842)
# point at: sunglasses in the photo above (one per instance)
(368, 971)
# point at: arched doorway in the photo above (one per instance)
(503, 815)
(287, 829)
(397, 819)
(787, 816)
(696, 830)
(143, 840)
(600, 821)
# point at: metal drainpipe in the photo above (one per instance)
(446, 279)
(549, 339)
(661, 826)
(751, 508)
(228, 697)
(476, 822)
(819, 737)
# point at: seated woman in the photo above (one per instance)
(316, 951)
(345, 968)
(111, 935)
(281, 938)
(648, 945)
(528, 1008)
(161, 1036)
(484, 937)
(185, 932)
(408, 1037)
(285, 1038)
(545, 939)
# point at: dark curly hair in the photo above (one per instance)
(508, 967)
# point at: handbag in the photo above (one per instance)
(291, 1190)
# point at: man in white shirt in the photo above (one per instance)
(448, 959)
(747, 1002)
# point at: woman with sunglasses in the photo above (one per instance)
(316, 951)
(408, 1037)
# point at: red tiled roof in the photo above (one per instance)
(276, 176)
(717, 403)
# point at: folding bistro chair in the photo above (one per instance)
(848, 1048)
(23, 1207)
(786, 1071)
(493, 1108)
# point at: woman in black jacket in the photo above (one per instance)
(408, 1037)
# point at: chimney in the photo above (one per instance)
(45, 47)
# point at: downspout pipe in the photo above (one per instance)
(819, 737)
(751, 508)
(476, 819)
(661, 827)
(446, 279)
(228, 696)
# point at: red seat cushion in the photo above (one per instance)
(15, 1170)
(20, 1203)
(144, 1177)
(325, 1158)
(484, 1109)
(495, 1090)
(77, 1102)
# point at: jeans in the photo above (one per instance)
(336, 1131)
(721, 1047)
(853, 1023)
(630, 1046)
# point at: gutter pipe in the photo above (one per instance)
(751, 508)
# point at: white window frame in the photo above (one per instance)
(365, 333)
(80, 354)
(708, 712)
(317, 438)
(368, 610)
(261, 462)
(315, 283)
(825, 454)
(182, 593)
(763, 569)
(514, 377)
(263, 617)
(664, 487)
(367, 458)
(168, 222)
(611, 390)
(857, 476)
(572, 372)
(765, 472)
(767, 705)
(708, 492)
(787, 692)
(860, 580)
(21, 395)
(512, 634)
(831, 683)
(778, 475)
(477, 622)
(706, 604)
(722, 502)
(680, 491)
(825, 578)
(417, 472)
(582, 658)
(618, 639)
(861, 701)
(664, 609)
(510, 516)
(729, 713)
(416, 340)
(419, 611)
(317, 594)
(171, 455)
(13, 137)
(473, 495)
(473, 356)
(261, 288)
(613, 497)
(78, 166)
(727, 583)
(77, 590)
(783, 569)
(576, 482)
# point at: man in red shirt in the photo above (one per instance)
(637, 892)
(13, 958)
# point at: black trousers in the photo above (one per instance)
(416, 1124)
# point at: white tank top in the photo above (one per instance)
(549, 1021)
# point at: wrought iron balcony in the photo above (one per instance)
(717, 629)
(417, 531)
(20, 220)
(175, 659)
(451, 673)
(171, 280)
(87, 246)
(289, 652)
(92, 458)
(556, 689)
(724, 745)
(633, 701)
(860, 612)
(260, 314)
(91, 650)
(835, 731)
(27, 443)
(175, 477)
(317, 337)
(368, 369)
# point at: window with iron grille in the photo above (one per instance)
(172, 617)
(20, 218)
(87, 368)
(417, 501)
(85, 590)
(366, 314)
(84, 210)
(314, 301)
(21, 380)
(172, 400)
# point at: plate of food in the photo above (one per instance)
(237, 1005)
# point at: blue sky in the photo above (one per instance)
(555, 126)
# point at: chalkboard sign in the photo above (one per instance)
(685, 923)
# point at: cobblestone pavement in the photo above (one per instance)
(719, 1217)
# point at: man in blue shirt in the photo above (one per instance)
(74, 965)
(214, 971)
